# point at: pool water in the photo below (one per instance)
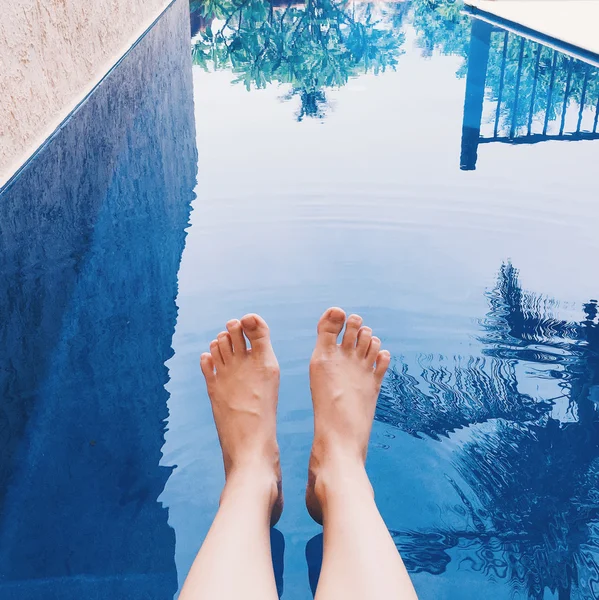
(435, 174)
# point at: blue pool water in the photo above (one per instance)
(370, 165)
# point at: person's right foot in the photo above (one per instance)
(243, 385)
(345, 383)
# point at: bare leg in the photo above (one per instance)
(235, 561)
(360, 560)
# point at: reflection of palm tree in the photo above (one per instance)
(533, 506)
(319, 45)
(475, 390)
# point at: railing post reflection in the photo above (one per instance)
(550, 92)
(501, 83)
(475, 91)
(534, 90)
(583, 97)
(566, 95)
(517, 94)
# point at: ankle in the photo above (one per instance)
(256, 461)
(257, 480)
(331, 455)
(339, 475)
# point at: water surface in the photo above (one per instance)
(460, 227)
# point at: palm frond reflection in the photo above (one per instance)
(528, 477)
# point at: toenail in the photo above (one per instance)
(250, 323)
(233, 323)
(336, 314)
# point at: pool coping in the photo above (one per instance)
(10, 181)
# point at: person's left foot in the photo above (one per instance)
(243, 385)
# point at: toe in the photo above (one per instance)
(207, 366)
(226, 346)
(236, 332)
(373, 350)
(382, 364)
(363, 342)
(216, 355)
(256, 330)
(354, 322)
(330, 326)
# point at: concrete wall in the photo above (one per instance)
(52, 52)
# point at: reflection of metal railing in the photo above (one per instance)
(532, 85)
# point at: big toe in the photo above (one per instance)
(257, 332)
(330, 326)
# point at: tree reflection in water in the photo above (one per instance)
(532, 495)
(311, 46)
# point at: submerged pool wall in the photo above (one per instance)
(91, 235)
(52, 53)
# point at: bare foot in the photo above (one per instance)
(243, 385)
(345, 383)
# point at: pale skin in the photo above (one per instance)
(360, 560)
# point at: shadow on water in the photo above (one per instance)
(277, 549)
(91, 235)
(314, 549)
(530, 475)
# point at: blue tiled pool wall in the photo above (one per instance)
(91, 235)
